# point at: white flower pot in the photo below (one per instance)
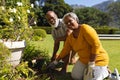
(16, 48)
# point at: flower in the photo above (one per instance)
(19, 3)
(32, 5)
(3, 8)
(11, 19)
(34, 22)
(19, 17)
(13, 10)
(28, 11)
(34, 61)
(15, 18)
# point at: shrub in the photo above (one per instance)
(46, 28)
(4, 54)
(105, 30)
(39, 34)
(8, 72)
(32, 52)
(15, 19)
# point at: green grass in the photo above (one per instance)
(113, 49)
(111, 46)
(48, 44)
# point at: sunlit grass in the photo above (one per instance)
(113, 49)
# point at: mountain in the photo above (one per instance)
(103, 6)
(74, 6)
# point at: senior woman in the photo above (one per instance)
(84, 41)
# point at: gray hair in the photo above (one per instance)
(72, 15)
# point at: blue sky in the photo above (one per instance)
(84, 2)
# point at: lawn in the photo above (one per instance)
(111, 46)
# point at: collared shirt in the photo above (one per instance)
(60, 31)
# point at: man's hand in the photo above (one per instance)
(53, 64)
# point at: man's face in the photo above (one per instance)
(51, 18)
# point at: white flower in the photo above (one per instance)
(28, 11)
(34, 61)
(19, 17)
(30, 27)
(19, 3)
(13, 10)
(11, 19)
(34, 22)
(32, 5)
(3, 8)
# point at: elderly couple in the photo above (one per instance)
(84, 41)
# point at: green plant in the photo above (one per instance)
(8, 72)
(106, 30)
(15, 17)
(39, 34)
(32, 52)
(4, 53)
(48, 29)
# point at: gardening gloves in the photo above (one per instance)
(88, 73)
(53, 64)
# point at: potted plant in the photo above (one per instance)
(15, 27)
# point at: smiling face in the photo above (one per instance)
(70, 23)
(51, 17)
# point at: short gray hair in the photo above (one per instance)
(72, 15)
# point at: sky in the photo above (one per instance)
(87, 3)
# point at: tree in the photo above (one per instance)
(59, 6)
(114, 11)
(92, 16)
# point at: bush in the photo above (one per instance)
(4, 54)
(7, 72)
(46, 28)
(5, 34)
(106, 30)
(39, 34)
(32, 52)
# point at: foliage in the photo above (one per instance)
(14, 17)
(4, 52)
(106, 30)
(48, 29)
(40, 16)
(32, 52)
(59, 6)
(8, 72)
(92, 16)
(22, 71)
(39, 34)
(114, 11)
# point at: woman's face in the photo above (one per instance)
(70, 23)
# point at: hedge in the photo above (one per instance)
(100, 30)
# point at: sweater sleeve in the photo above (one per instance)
(92, 38)
(66, 49)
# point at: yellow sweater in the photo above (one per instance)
(87, 43)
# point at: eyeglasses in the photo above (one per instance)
(69, 22)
